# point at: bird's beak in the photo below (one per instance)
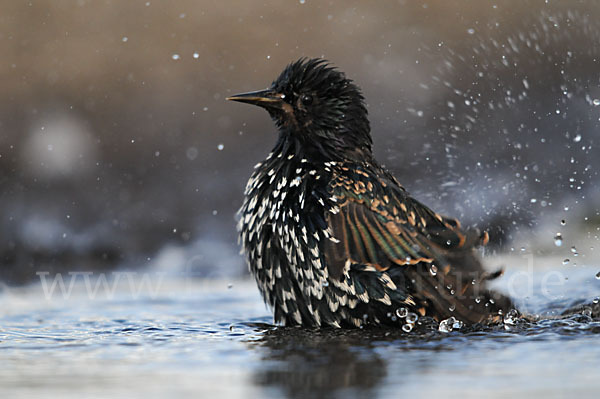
(263, 98)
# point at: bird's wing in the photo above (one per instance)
(377, 223)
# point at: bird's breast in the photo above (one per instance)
(283, 226)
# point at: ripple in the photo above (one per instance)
(214, 332)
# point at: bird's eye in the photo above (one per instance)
(306, 99)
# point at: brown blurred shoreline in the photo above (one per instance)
(115, 139)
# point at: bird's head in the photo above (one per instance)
(318, 108)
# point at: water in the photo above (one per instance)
(186, 338)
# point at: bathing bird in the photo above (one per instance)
(332, 238)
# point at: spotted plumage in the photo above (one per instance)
(331, 237)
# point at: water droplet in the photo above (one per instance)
(401, 312)
(124, 39)
(452, 308)
(325, 283)
(596, 102)
(563, 222)
(445, 326)
(412, 318)
(573, 249)
(407, 328)
(558, 239)
(175, 57)
(577, 138)
(215, 212)
(268, 57)
(229, 286)
(598, 276)
(433, 270)
(566, 261)
(470, 31)
(196, 55)
(478, 299)
(511, 317)
(220, 147)
(449, 325)
(191, 153)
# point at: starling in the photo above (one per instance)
(332, 238)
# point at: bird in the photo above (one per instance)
(332, 238)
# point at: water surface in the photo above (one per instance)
(186, 338)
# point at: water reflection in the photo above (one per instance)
(318, 363)
(323, 363)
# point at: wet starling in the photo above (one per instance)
(332, 238)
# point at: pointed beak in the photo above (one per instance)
(263, 98)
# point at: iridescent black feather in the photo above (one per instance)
(332, 238)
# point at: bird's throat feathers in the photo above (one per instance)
(324, 144)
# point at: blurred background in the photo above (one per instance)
(117, 148)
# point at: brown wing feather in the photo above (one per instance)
(377, 223)
(456, 287)
(368, 237)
